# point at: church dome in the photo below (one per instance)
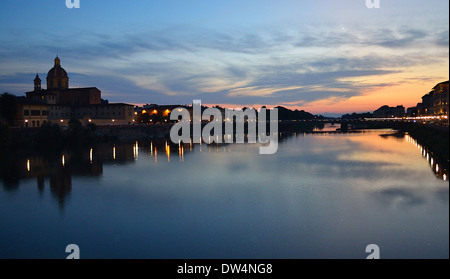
(57, 77)
(57, 72)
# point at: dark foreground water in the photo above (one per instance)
(319, 196)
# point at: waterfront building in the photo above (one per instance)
(435, 103)
(59, 103)
(440, 98)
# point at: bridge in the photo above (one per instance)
(434, 122)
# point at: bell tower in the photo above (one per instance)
(37, 83)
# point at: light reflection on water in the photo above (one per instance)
(319, 196)
(441, 172)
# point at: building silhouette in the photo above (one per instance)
(389, 112)
(434, 103)
(59, 103)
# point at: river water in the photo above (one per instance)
(320, 196)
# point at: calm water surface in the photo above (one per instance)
(319, 196)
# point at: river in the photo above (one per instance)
(320, 196)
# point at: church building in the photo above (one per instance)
(59, 103)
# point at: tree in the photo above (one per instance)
(92, 127)
(74, 124)
(8, 107)
(5, 135)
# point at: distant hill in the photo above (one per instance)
(357, 116)
(287, 114)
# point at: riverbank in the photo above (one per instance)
(435, 138)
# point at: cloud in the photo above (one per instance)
(264, 66)
(402, 197)
(392, 38)
(441, 39)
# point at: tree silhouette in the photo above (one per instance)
(75, 124)
(8, 107)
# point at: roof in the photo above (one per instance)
(57, 72)
(92, 105)
(54, 90)
(119, 104)
(445, 82)
(82, 88)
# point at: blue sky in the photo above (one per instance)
(321, 56)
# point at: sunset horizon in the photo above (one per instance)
(318, 56)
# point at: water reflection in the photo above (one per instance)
(59, 169)
(327, 127)
(440, 170)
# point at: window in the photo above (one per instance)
(26, 112)
(44, 113)
(35, 112)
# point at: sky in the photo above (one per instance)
(323, 56)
